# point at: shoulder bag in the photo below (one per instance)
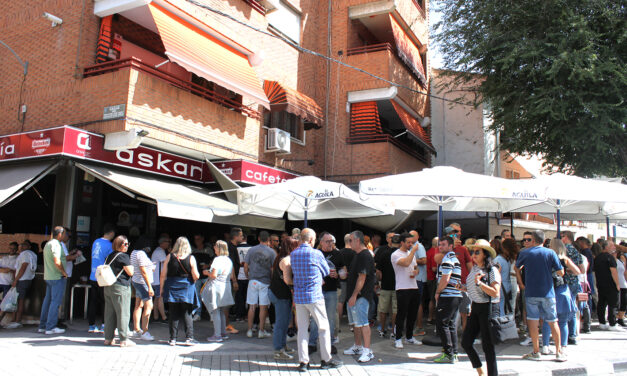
(502, 328)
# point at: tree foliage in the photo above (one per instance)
(554, 75)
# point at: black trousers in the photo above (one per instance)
(177, 312)
(478, 324)
(407, 303)
(445, 325)
(96, 303)
(607, 298)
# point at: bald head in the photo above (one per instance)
(308, 236)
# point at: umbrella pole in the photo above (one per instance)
(511, 223)
(440, 218)
(607, 226)
(306, 207)
(559, 236)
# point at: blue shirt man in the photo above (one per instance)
(309, 267)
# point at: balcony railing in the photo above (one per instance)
(115, 65)
(370, 48)
(384, 137)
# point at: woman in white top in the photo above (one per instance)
(483, 285)
(622, 282)
(142, 283)
(216, 293)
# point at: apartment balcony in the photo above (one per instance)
(383, 61)
(411, 14)
(175, 111)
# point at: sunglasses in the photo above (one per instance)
(477, 252)
(125, 244)
(526, 239)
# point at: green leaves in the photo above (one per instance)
(554, 75)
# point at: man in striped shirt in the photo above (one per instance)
(448, 296)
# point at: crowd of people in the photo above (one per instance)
(300, 284)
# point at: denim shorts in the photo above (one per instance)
(358, 314)
(141, 291)
(541, 308)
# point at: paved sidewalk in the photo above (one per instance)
(77, 352)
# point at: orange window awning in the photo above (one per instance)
(413, 126)
(365, 119)
(206, 56)
(283, 98)
(408, 51)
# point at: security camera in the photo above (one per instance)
(54, 19)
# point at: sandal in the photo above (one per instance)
(109, 343)
(127, 343)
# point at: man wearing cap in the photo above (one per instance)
(454, 230)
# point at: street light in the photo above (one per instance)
(20, 109)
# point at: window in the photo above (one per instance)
(285, 20)
(511, 174)
(287, 122)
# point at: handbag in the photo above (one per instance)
(502, 328)
(104, 274)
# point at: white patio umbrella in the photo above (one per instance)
(304, 198)
(576, 197)
(451, 189)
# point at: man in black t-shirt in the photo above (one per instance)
(385, 273)
(237, 237)
(606, 275)
(360, 290)
(347, 256)
(329, 288)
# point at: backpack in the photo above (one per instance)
(104, 274)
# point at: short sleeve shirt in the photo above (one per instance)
(7, 262)
(242, 251)
(26, 257)
(404, 281)
(140, 258)
(464, 258)
(431, 265)
(422, 269)
(505, 268)
(259, 259)
(602, 273)
(539, 264)
(53, 250)
(475, 293)
(99, 252)
(577, 259)
(158, 257)
(450, 266)
(223, 267)
(117, 267)
(362, 263)
(335, 261)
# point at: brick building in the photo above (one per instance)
(130, 97)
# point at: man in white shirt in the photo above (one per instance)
(158, 259)
(407, 295)
(25, 267)
(7, 271)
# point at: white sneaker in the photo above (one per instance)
(398, 343)
(354, 350)
(147, 337)
(615, 328)
(335, 341)
(13, 325)
(249, 334)
(135, 333)
(366, 356)
(527, 342)
(264, 334)
(604, 327)
(413, 341)
(41, 330)
(546, 350)
(55, 331)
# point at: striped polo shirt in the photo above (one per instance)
(450, 265)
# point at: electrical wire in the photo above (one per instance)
(307, 51)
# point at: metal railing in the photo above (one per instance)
(384, 137)
(133, 63)
(370, 48)
(256, 5)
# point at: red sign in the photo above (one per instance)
(81, 144)
(251, 172)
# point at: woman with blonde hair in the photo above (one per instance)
(216, 293)
(564, 303)
(177, 288)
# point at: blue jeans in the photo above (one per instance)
(198, 285)
(283, 316)
(330, 303)
(50, 307)
(562, 322)
(573, 322)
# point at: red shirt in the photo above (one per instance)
(431, 263)
(464, 257)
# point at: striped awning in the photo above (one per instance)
(283, 98)
(206, 56)
(413, 126)
(408, 52)
(365, 119)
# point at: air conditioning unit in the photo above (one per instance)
(278, 140)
